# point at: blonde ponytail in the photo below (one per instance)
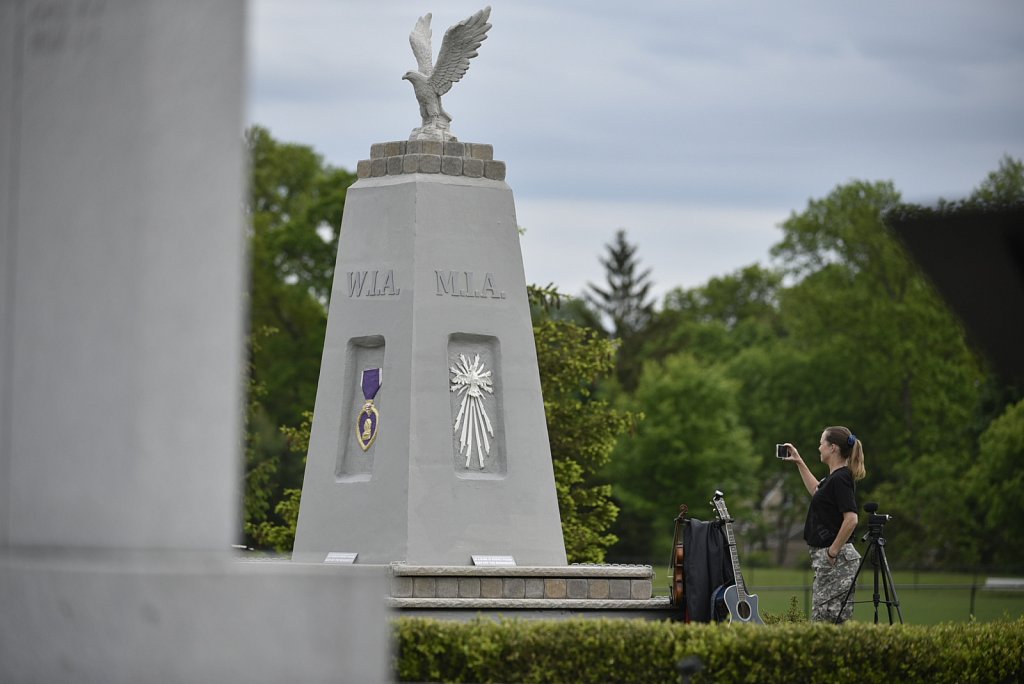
(857, 462)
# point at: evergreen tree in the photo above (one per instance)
(625, 303)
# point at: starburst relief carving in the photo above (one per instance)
(473, 382)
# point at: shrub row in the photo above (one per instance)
(620, 650)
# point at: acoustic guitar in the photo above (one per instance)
(741, 606)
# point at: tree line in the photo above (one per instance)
(651, 405)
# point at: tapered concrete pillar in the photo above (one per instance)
(442, 454)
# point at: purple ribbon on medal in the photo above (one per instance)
(367, 420)
(371, 382)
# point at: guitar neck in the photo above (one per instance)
(741, 588)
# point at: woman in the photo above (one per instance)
(831, 520)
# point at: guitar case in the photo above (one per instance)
(707, 566)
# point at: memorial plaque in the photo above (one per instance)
(494, 561)
(340, 558)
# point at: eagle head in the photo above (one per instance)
(413, 76)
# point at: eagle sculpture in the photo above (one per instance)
(431, 81)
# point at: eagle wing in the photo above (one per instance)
(458, 47)
(419, 39)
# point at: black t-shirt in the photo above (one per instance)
(835, 496)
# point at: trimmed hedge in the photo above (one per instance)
(621, 650)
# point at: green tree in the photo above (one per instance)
(734, 321)
(778, 402)
(280, 536)
(296, 202)
(890, 360)
(895, 350)
(582, 432)
(295, 205)
(1004, 186)
(996, 483)
(981, 479)
(690, 443)
(847, 331)
(717, 320)
(260, 468)
(582, 429)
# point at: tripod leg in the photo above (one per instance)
(889, 587)
(885, 585)
(875, 598)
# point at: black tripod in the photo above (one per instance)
(876, 552)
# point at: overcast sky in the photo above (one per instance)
(696, 126)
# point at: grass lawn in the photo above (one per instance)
(925, 598)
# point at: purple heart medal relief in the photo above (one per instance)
(368, 418)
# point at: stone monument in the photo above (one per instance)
(429, 443)
(429, 448)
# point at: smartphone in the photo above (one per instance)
(781, 451)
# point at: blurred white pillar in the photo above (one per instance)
(122, 269)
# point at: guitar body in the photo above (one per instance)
(741, 608)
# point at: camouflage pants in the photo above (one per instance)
(831, 584)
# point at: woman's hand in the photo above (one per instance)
(794, 455)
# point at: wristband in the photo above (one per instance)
(835, 557)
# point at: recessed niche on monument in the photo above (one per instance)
(363, 412)
(478, 424)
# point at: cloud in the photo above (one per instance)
(684, 245)
(641, 109)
